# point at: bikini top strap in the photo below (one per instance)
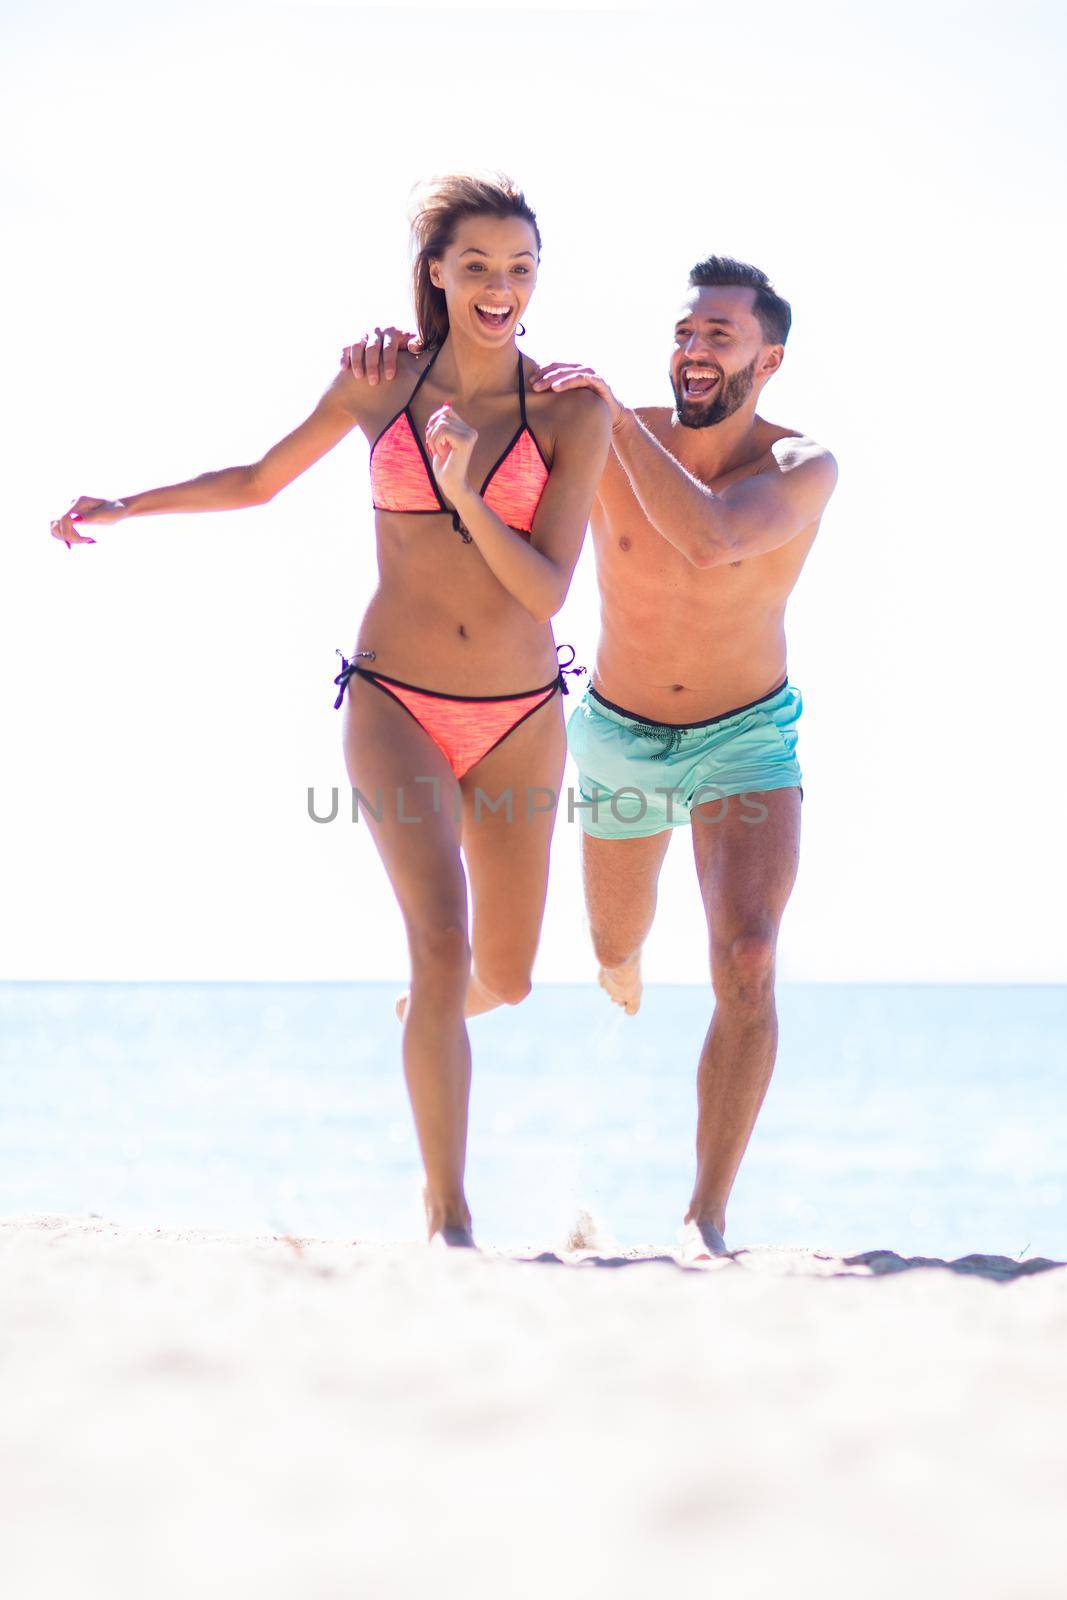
(522, 392)
(422, 374)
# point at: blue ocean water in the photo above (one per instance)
(924, 1119)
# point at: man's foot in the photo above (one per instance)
(701, 1241)
(623, 984)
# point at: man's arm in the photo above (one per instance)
(747, 518)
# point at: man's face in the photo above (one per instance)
(720, 354)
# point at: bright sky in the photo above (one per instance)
(204, 205)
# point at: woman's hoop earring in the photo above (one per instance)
(521, 331)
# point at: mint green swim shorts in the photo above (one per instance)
(637, 777)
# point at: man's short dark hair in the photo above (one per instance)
(723, 272)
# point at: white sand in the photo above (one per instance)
(198, 1416)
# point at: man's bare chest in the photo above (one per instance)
(626, 540)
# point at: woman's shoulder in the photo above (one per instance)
(412, 364)
(381, 401)
(408, 368)
(577, 406)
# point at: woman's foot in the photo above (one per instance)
(703, 1238)
(449, 1224)
(479, 1000)
(623, 984)
(454, 1239)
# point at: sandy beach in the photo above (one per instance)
(190, 1414)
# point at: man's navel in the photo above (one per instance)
(624, 543)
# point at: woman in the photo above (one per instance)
(481, 494)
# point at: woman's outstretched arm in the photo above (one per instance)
(232, 488)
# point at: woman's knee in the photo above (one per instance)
(507, 985)
(440, 950)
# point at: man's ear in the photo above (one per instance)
(772, 361)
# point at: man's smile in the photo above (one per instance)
(699, 380)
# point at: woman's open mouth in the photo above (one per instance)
(493, 316)
(699, 381)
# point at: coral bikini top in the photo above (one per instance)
(401, 475)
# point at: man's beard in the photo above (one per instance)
(733, 392)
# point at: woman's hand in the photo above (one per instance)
(86, 509)
(450, 442)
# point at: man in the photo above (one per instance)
(702, 522)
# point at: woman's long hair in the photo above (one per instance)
(440, 206)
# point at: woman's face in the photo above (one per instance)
(488, 273)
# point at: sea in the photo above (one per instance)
(925, 1119)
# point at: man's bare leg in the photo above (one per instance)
(620, 878)
(746, 870)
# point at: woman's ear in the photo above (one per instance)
(435, 274)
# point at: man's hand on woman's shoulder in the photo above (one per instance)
(559, 376)
(374, 357)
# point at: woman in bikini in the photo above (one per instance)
(452, 722)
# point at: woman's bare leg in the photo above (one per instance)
(507, 848)
(386, 750)
(509, 810)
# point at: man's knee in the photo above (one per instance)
(742, 971)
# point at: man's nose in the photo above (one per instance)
(697, 346)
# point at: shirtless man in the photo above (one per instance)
(703, 519)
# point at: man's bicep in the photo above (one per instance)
(772, 507)
(333, 418)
